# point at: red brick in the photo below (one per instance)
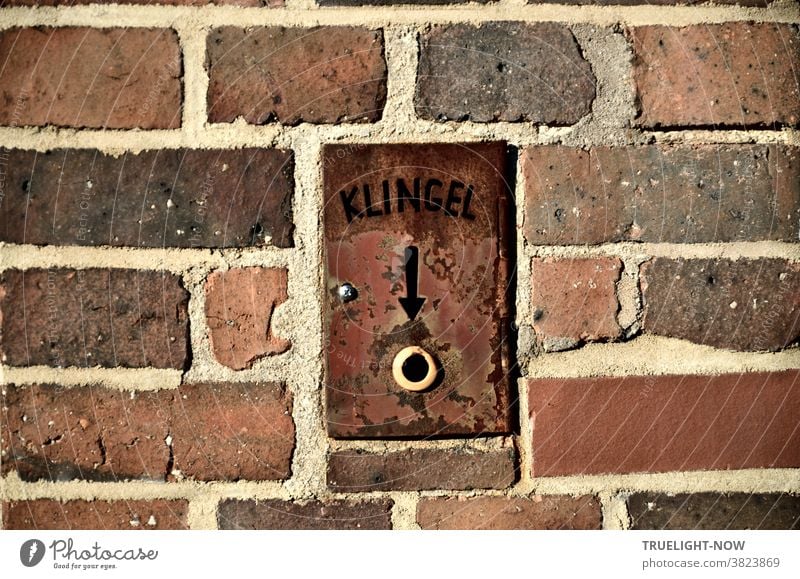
(239, 307)
(503, 71)
(243, 3)
(651, 2)
(293, 75)
(276, 514)
(232, 431)
(714, 511)
(116, 78)
(666, 193)
(93, 317)
(507, 513)
(665, 423)
(739, 305)
(731, 74)
(227, 431)
(574, 300)
(421, 469)
(167, 198)
(397, 2)
(76, 515)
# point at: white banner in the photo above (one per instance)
(400, 554)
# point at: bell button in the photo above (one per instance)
(414, 369)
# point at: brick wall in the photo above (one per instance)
(161, 292)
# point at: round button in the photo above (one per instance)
(414, 369)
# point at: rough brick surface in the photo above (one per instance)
(676, 194)
(503, 71)
(574, 300)
(501, 513)
(276, 514)
(652, 2)
(665, 423)
(116, 78)
(243, 3)
(226, 431)
(239, 307)
(168, 198)
(293, 75)
(93, 317)
(732, 74)
(714, 511)
(421, 469)
(740, 305)
(123, 515)
(397, 2)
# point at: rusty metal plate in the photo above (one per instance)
(418, 244)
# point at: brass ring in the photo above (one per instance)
(399, 372)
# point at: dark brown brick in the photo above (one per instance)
(292, 75)
(239, 307)
(277, 514)
(115, 78)
(421, 469)
(676, 194)
(574, 300)
(665, 423)
(505, 513)
(226, 431)
(503, 71)
(167, 198)
(94, 317)
(95, 515)
(714, 511)
(740, 305)
(731, 74)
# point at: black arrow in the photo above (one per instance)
(412, 303)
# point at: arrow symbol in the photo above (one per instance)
(412, 303)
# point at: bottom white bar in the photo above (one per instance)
(400, 554)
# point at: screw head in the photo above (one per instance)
(347, 293)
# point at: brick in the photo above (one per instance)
(746, 304)
(167, 198)
(665, 423)
(239, 307)
(652, 2)
(76, 515)
(233, 432)
(90, 433)
(227, 431)
(508, 513)
(243, 3)
(293, 75)
(312, 515)
(731, 74)
(115, 78)
(714, 511)
(421, 469)
(93, 317)
(397, 2)
(676, 194)
(574, 300)
(503, 71)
